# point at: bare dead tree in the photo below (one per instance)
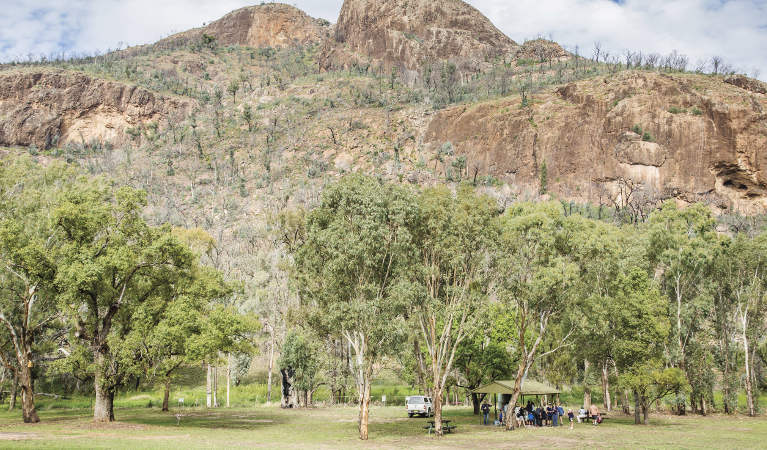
(716, 64)
(597, 50)
(628, 56)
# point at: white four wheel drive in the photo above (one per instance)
(418, 404)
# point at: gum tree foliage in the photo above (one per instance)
(745, 267)
(680, 246)
(187, 330)
(453, 237)
(650, 383)
(112, 264)
(536, 279)
(482, 357)
(350, 270)
(30, 321)
(301, 352)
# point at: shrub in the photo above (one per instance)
(696, 111)
(637, 129)
(647, 137)
(676, 110)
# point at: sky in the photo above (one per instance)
(733, 29)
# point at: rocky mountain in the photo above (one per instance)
(690, 137)
(47, 108)
(196, 121)
(407, 34)
(266, 25)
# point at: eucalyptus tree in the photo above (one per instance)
(29, 316)
(111, 263)
(747, 265)
(302, 354)
(350, 271)
(650, 382)
(166, 336)
(482, 357)
(680, 247)
(536, 278)
(453, 237)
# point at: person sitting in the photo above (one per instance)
(582, 414)
(520, 415)
(594, 413)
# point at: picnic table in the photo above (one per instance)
(445, 426)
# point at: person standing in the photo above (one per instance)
(561, 412)
(549, 415)
(485, 411)
(555, 416)
(570, 416)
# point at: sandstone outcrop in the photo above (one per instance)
(542, 50)
(407, 34)
(268, 25)
(701, 139)
(748, 84)
(48, 108)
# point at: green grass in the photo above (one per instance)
(272, 427)
(246, 395)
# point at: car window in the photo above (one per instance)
(416, 400)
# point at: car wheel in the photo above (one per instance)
(410, 416)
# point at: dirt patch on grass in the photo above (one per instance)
(111, 426)
(18, 436)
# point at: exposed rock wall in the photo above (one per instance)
(45, 108)
(267, 25)
(406, 34)
(701, 139)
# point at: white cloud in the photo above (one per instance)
(734, 29)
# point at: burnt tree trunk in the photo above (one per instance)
(288, 398)
(166, 396)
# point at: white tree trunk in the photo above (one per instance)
(749, 387)
(208, 387)
(271, 369)
(606, 386)
(228, 376)
(215, 386)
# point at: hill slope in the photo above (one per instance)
(607, 135)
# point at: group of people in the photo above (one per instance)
(544, 415)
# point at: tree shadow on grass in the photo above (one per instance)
(231, 420)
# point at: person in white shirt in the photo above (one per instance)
(582, 414)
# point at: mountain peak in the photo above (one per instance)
(265, 25)
(406, 34)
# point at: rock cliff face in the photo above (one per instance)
(406, 34)
(267, 25)
(46, 108)
(687, 137)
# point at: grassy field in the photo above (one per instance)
(272, 427)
